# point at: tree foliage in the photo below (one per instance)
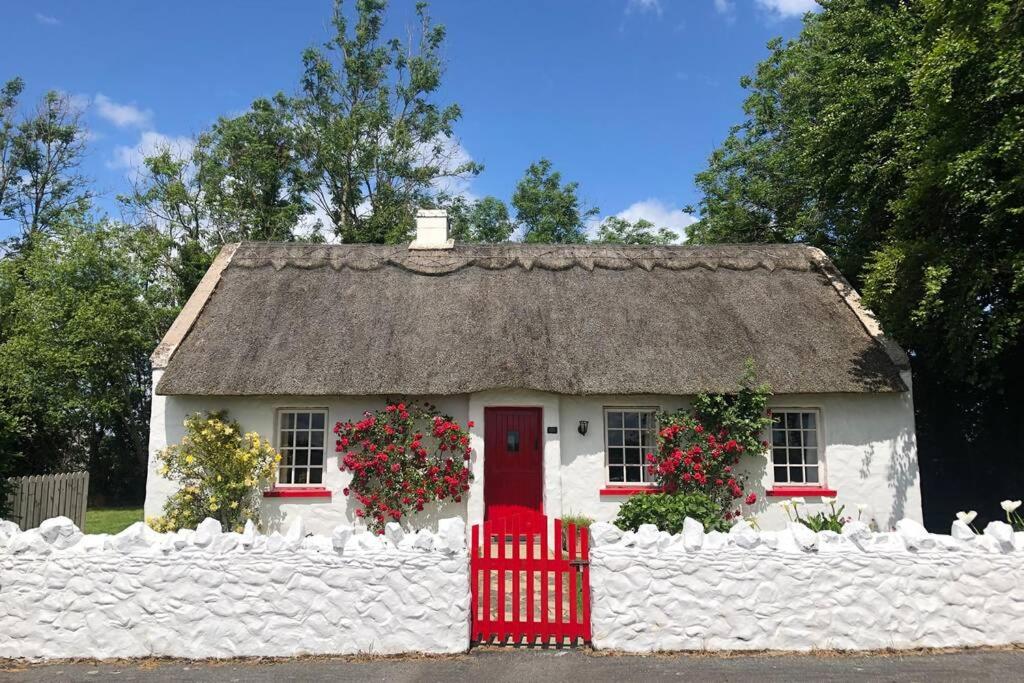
(373, 140)
(80, 312)
(40, 154)
(889, 134)
(548, 210)
(482, 220)
(615, 230)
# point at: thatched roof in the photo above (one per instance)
(284, 319)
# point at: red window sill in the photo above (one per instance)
(783, 491)
(311, 492)
(628, 490)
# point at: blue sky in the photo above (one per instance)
(628, 97)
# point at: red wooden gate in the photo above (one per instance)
(527, 587)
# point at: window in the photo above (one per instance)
(300, 441)
(629, 437)
(795, 447)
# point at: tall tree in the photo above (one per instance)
(242, 180)
(374, 141)
(40, 157)
(889, 133)
(548, 210)
(81, 310)
(483, 220)
(253, 182)
(615, 230)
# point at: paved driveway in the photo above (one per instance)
(524, 666)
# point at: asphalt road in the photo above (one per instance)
(522, 666)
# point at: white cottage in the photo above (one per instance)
(573, 348)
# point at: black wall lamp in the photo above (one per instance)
(582, 429)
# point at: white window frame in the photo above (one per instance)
(279, 414)
(644, 476)
(819, 435)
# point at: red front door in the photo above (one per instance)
(513, 470)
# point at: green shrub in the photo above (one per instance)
(668, 510)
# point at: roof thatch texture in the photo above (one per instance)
(383, 320)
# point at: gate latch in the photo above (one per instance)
(579, 563)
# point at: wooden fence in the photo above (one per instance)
(40, 497)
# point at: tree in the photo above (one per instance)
(547, 210)
(615, 230)
(252, 178)
(40, 157)
(80, 312)
(374, 143)
(484, 220)
(888, 133)
(242, 180)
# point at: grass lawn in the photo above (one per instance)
(110, 520)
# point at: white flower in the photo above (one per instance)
(1010, 505)
(861, 507)
(966, 517)
(828, 501)
(785, 504)
(798, 501)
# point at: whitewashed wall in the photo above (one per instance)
(257, 414)
(200, 594)
(797, 590)
(870, 453)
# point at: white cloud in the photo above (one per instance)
(122, 115)
(643, 6)
(47, 19)
(788, 8)
(150, 142)
(659, 213)
(724, 6)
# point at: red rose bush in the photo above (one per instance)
(402, 458)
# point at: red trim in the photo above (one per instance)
(311, 492)
(629, 490)
(783, 491)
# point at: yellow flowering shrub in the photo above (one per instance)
(221, 473)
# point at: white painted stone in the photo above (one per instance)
(713, 540)
(424, 540)
(805, 538)
(135, 538)
(29, 542)
(857, 531)
(962, 531)
(646, 537)
(393, 532)
(248, 534)
(1018, 540)
(693, 534)
(340, 536)
(1001, 532)
(915, 536)
(60, 532)
(205, 531)
(370, 542)
(452, 535)
(296, 532)
(744, 535)
(603, 534)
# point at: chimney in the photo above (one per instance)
(432, 230)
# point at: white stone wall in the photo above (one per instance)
(203, 593)
(797, 590)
